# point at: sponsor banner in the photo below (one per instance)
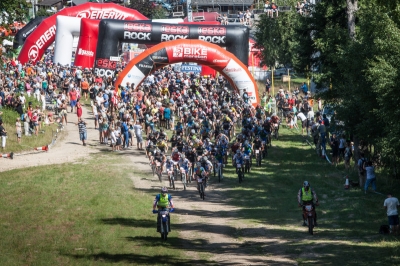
(135, 76)
(234, 38)
(102, 14)
(145, 65)
(105, 63)
(23, 33)
(185, 52)
(85, 53)
(104, 73)
(191, 68)
(114, 58)
(160, 58)
(34, 50)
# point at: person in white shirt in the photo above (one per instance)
(303, 119)
(138, 133)
(390, 205)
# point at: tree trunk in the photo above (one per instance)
(352, 7)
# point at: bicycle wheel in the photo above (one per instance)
(173, 182)
(259, 159)
(159, 174)
(214, 170)
(219, 174)
(202, 191)
(153, 169)
(311, 225)
(240, 176)
(183, 178)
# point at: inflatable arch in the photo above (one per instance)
(23, 33)
(41, 38)
(113, 32)
(197, 51)
(88, 37)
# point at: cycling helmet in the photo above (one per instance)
(183, 156)
(164, 190)
(238, 152)
(268, 118)
(169, 158)
(205, 158)
(306, 184)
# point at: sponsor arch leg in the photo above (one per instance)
(190, 51)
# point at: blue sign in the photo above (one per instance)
(196, 69)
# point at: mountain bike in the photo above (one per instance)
(239, 172)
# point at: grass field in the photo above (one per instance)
(89, 213)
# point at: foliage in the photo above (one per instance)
(41, 12)
(149, 9)
(16, 10)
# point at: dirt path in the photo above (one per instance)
(209, 230)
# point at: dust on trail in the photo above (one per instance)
(209, 230)
(204, 233)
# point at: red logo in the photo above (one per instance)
(174, 29)
(142, 27)
(106, 63)
(212, 31)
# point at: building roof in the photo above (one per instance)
(49, 2)
(222, 2)
(79, 2)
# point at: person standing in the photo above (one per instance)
(78, 108)
(371, 177)
(138, 134)
(390, 205)
(361, 172)
(18, 128)
(82, 130)
(73, 96)
(3, 134)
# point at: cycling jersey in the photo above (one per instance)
(169, 165)
(175, 156)
(238, 159)
(184, 164)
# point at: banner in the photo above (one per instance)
(182, 50)
(113, 32)
(196, 69)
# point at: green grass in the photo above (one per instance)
(79, 214)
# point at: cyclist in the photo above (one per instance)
(158, 157)
(199, 173)
(257, 143)
(162, 145)
(184, 165)
(238, 159)
(247, 148)
(305, 196)
(169, 165)
(163, 201)
(206, 164)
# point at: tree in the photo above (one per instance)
(12, 10)
(147, 8)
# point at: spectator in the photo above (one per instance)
(335, 149)
(82, 130)
(3, 135)
(78, 108)
(274, 9)
(361, 171)
(18, 129)
(268, 9)
(390, 205)
(347, 156)
(371, 177)
(138, 134)
(304, 88)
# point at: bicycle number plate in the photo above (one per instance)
(247, 157)
(276, 125)
(257, 151)
(239, 165)
(308, 208)
(263, 142)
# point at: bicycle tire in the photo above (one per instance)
(153, 169)
(202, 191)
(240, 176)
(311, 225)
(164, 235)
(183, 178)
(159, 176)
(173, 182)
(219, 174)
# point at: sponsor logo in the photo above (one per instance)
(232, 69)
(84, 52)
(142, 27)
(212, 31)
(157, 57)
(175, 29)
(213, 39)
(220, 60)
(33, 52)
(106, 63)
(145, 66)
(104, 72)
(114, 58)
(166, 37)
(137, 36)
(190, 52)
(29, 32)
(100, 14)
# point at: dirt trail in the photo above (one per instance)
(209, 230)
